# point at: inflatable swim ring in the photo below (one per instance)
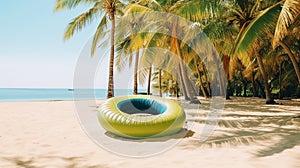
(139, 116)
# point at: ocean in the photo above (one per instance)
(44, 94)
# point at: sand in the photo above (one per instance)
(48, 134)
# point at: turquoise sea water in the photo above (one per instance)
(31, 94)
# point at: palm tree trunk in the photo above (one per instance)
(110, 89)
(159, 82)
(186, 82)
(226, 61)
(269, 99)
(290, 54)
(227, 89)
(254, 88)
(149, 80)
(177, 90)
(208, 82)
(200, 82)
(202, 88)
(261, 90)
(245, 89)
(293, 59)
(135, 80)
(220, 76)
(182, 83)
(174, 48)
(195, 90)
(185, 79)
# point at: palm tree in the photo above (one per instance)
(222, 34)
(149, 80)
(280, 15)
(178, 8)
(133, 42)
(289, 14)
(165, 83)
(237, 14)
(244, 15)
(106, 9)
(195, 64)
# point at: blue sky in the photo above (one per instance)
(33, 53)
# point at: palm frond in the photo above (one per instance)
(135, 8)
(263, 22)
(219, 30)
(197, 10)
(152, 4)
(122, 51)
(143, 75)
(82, 20)
(289, 12)
(69, 4)
(100, 32)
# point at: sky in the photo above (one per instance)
(33, 53)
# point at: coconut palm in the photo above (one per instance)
(129, 41)
(243, 14)
(201, 9)
(280, 15)
(195, 63)
(106, 11)
(239, 14)
(289, 14)
(165, 83)
(222, 34)
(149, 80)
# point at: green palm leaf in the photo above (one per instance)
(69, 4)
(197, 10)
(134, 8)
(100, 32)
(290, 11)
(263, 22)
(82, 20)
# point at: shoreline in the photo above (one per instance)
(62, 100)
(168, 97)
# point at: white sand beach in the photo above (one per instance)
(48, 134)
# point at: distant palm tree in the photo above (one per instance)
(149, 80)
(195, 64)
(106, 9)
(131, 43)
(165, 83)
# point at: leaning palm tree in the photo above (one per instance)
(280, 15)
(106, 10)
(245, 14)
(288, 15)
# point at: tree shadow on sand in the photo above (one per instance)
(69, 162)
(289, 139)
(274, 131)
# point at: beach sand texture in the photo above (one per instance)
(48, 134)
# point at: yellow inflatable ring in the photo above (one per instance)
(140, 116)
